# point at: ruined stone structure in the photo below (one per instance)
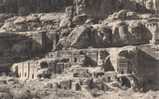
(41, 40)
(152, 5)
(147, 71)
(154, 28)
(54, 37)
(99, 56)
(33, 70)
(84, 50)
(76, 57)
(26, 70)
(9, 54)
(127, 64)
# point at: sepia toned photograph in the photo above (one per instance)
(79, 49)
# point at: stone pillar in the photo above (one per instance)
(99, 60)
(44, 41)
(76, 6)
(28, 70)
(155, 33)
(36, 70)
(22, 71)
(54, 41)
(33, 71)
(25, 71)
(41, 39)
(156, 6)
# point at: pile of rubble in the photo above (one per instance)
(32, 22)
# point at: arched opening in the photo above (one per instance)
(44, 65)
(89, 62)
(125, 82)
(126, 61)
(75, 59)
(109, 79)
(107, 66)
(32, 76)
(19, 74)
(25, 74)
(16, 72)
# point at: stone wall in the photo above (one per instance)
(147, 69)
(77, 57)
(26, 70)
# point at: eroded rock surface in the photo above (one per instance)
(93, 49)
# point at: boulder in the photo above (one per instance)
(130, 33)
(85, 36)
(20, 20)
(8, 26)
(50, 17)
(4, 17)
(118, 33)
(32, 22)
(81, 37)
(123, 15)
(32, 18)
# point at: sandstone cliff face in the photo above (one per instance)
(12, 43)
(19, 47)
(119, 34)
(100, 8)
(27, 6)
(84, 36)
(103, 8)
